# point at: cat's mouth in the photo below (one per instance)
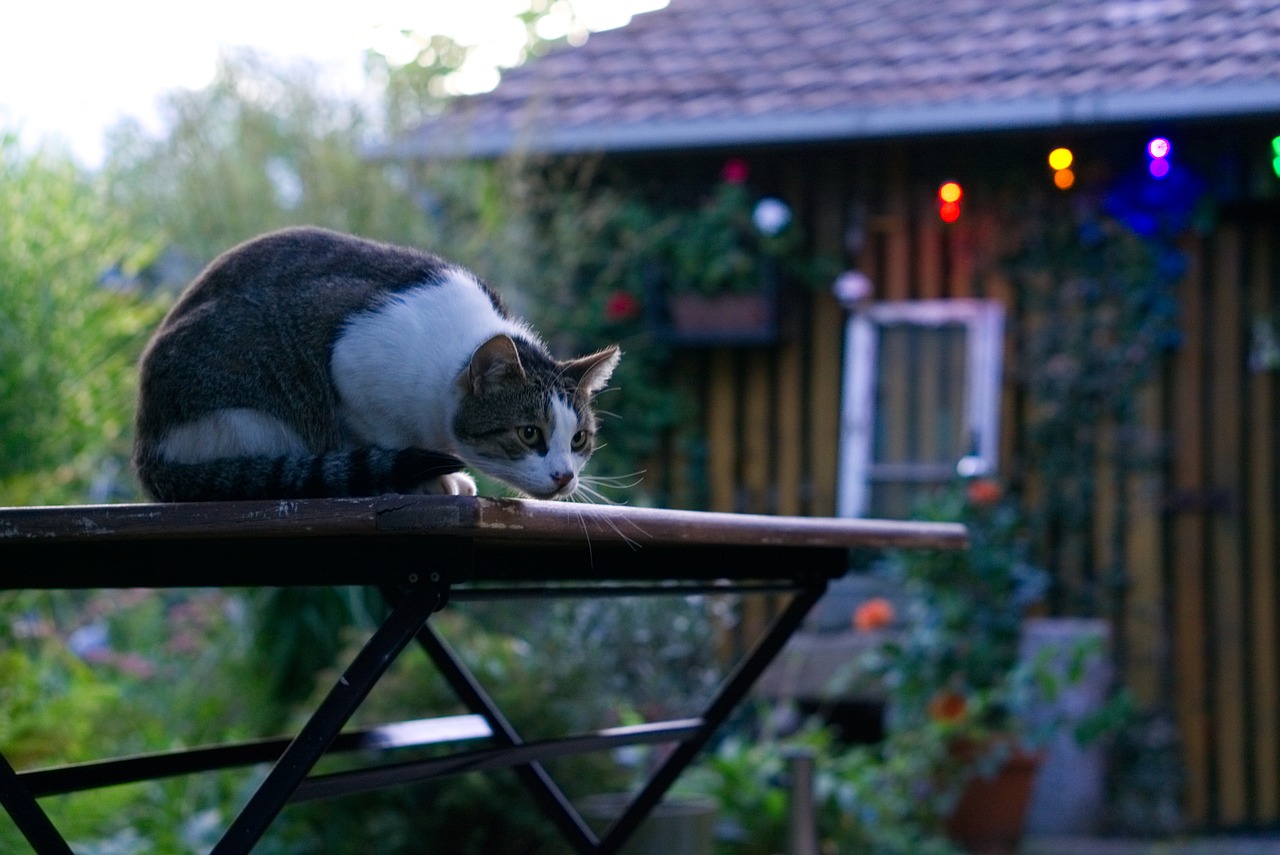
(554, 492)
(552, 496)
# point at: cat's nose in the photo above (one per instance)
(561, 479)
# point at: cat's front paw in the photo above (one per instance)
(452, 484)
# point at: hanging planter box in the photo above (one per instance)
(719, 320)
(735, 317)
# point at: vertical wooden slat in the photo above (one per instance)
(757, 432)
(897, 273)
(1264, 559)
(1144, 623)
(722, 421)
(959, 248)
(789, 415)
(824, 409)
(928, 255)
(1227, 577)
(674, 467)
(1188, 546)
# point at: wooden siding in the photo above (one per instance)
(1197, 621)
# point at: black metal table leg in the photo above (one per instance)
(734, 690)
(27, 814)
(399, 628)
(553, 802)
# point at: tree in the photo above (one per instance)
(69, 334)
(260, 148)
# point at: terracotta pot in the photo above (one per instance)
(992, 811)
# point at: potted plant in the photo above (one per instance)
(717, 267)
(954, 668)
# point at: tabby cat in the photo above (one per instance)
(308, 363)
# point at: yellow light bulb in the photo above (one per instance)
(1061, 158)
(950, 192)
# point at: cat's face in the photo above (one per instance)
(527, 420)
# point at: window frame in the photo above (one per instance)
(983, 321)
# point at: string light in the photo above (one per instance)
(1158, 151)
(1060, 160)
(949, 196)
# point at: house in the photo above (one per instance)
(1135, 402)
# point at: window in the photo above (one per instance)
(921, 397)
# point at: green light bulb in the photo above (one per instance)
(1275, 161)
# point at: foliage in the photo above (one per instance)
(68, 340)
(1098, 281)
(124, 672)
(957, 656)
(888, 799)
(722, 245)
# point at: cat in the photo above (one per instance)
(308, 363)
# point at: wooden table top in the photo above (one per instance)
(480, 519)
(374, 540)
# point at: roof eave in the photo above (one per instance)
(850, 124)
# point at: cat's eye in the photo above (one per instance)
(530, 435)
(579, 441)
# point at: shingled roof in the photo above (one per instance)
(733, 72)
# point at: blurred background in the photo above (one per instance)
(1013, 263)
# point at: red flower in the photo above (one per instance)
(946, 706)
(621, 306)
(983, 492)
(735, 171)
(875, 613)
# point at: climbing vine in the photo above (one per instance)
(1096, 279)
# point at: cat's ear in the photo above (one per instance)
(592, 372)
(494, 361)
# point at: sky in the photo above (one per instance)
(69, 69)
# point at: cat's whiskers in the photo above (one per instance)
(586, 494)
(614, 482)
(585, 503)
(586, 532)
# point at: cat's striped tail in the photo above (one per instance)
(359, 472)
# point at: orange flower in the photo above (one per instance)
(983, 492)
(946, 706)
(875, 613)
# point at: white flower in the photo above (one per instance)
(771, 216)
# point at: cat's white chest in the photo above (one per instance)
(396, 368)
